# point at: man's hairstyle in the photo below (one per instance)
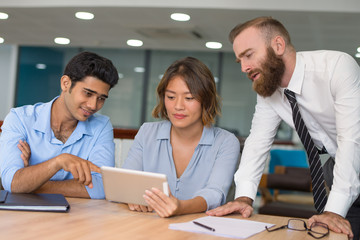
(201, 84)
(87, 64)
(268, 26)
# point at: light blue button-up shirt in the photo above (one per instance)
(210, 170)
(91, 140)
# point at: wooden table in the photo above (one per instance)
(102, 220)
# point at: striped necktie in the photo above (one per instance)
(316, 171)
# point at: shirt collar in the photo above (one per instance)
(82, 128)
(164, 132)
(297, 78)
(207, 137)
(42, 123)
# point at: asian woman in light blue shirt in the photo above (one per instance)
(198, 159)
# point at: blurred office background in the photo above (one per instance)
(31, 63)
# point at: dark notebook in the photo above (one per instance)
(33, 202)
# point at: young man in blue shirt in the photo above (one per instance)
(58, 147)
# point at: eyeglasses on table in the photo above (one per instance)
(317, 229)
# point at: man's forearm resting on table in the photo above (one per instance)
(25, 181)
(30, 178)
(36, 179)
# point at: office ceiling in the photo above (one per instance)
(326, 27)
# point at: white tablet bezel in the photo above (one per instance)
(128, 186)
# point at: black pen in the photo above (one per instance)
(204, 226)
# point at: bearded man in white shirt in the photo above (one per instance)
(327, 88)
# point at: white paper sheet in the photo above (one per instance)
(224, 227)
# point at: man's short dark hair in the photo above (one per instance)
(90, 64)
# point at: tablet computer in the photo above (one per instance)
(128, 186)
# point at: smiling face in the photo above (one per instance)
(259, 61)
(84, 98)
(183, 110)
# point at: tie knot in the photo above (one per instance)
(290, 95)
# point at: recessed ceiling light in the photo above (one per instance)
(4, 15)
(134, 43)
(121, 75)
(41, 66)
(213, 45)
(357, 55)
(358, 49)
(1, 40)
(84, 15)
(180, 17)
(61, 40)
(139, 69)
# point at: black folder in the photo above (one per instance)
(43, 202)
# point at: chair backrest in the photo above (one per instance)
(289, 158)
(291, 179)
(123, 139)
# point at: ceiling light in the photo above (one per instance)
(357, 55)
(4, 15)
(61, 40)
(358, 49)
(213, 45)
(134, 43)
(139, 69)
(180, 17)
(121, 75)
(41, 66)
(84, 15)
(1, 40)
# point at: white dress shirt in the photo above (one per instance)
(327, 88)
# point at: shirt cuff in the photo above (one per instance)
(246, 189)
(333, 205)
(7, 178)
(213, 198)
(97, 192)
